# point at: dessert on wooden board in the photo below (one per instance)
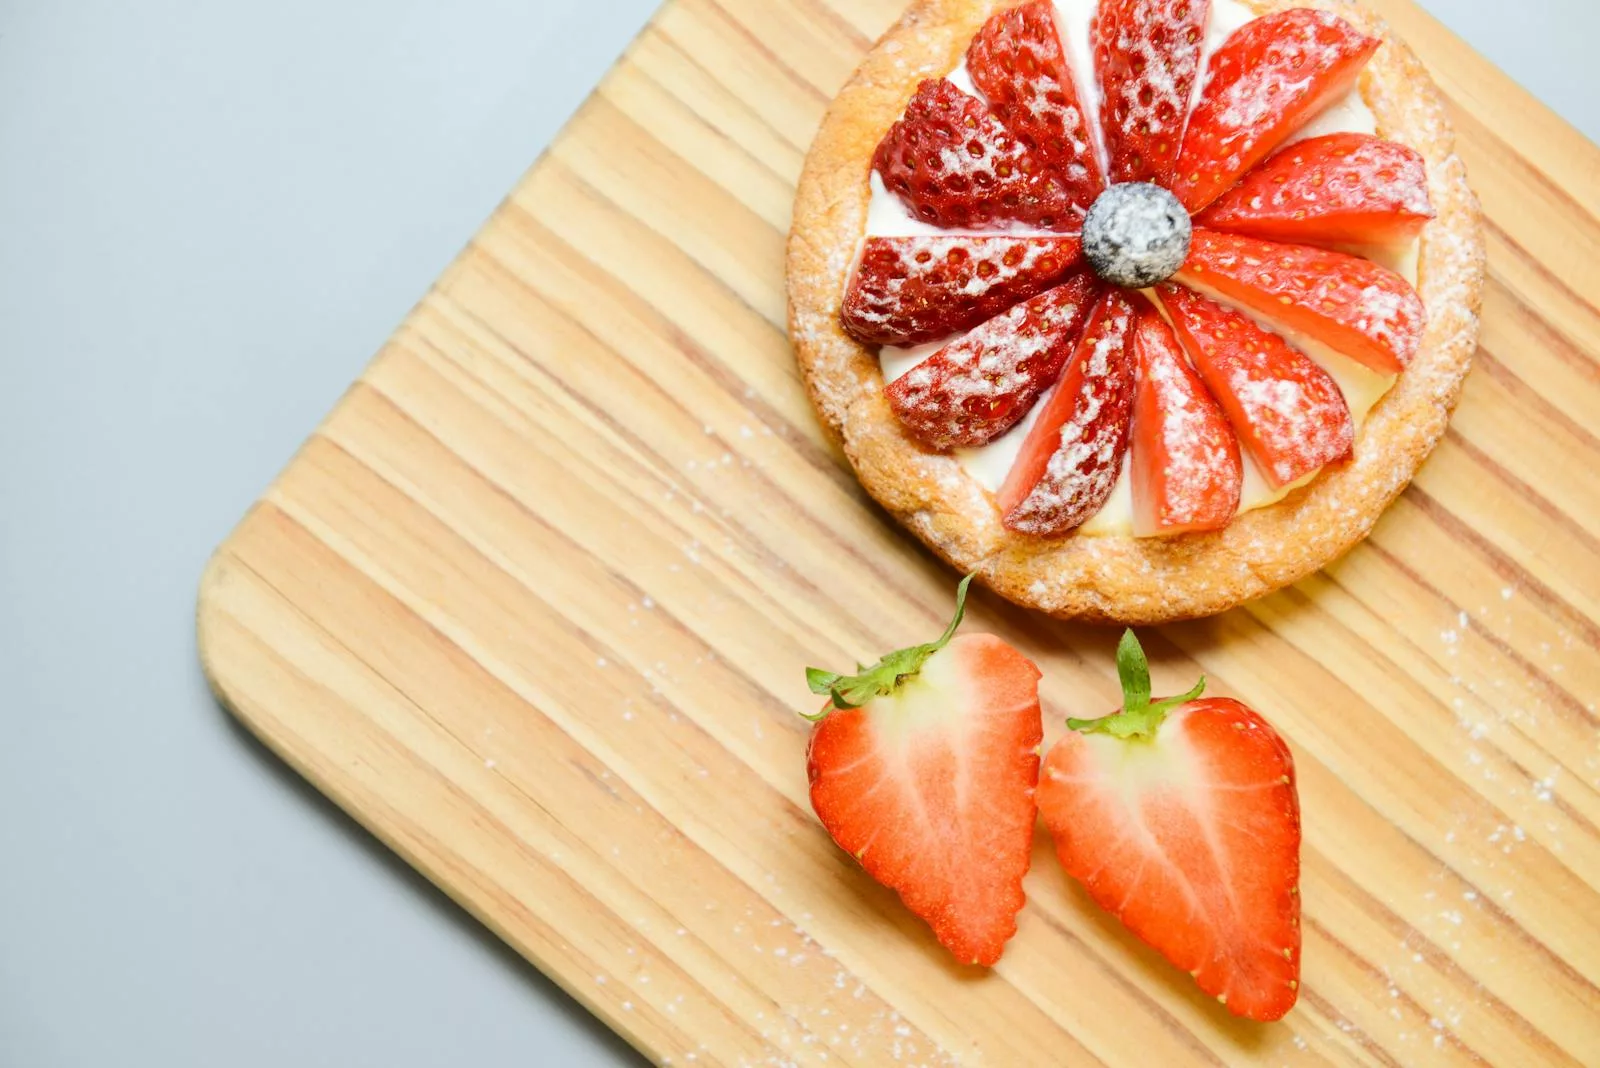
(1136, 309)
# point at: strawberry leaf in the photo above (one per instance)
(1140, 717)
(884, 677)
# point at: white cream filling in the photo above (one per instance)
(888, 216)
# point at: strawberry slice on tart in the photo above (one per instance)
(1268, 79)
(923, 767)
(1354, 306)
(957, 166)
(1016, 61)
(1072, 456)
(1147, 56)
(1336, 190)
(1287, 410)
(1187, 474)
(912, 290)
(1181, 818)
(980, 385)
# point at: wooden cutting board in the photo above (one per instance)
(533, 605)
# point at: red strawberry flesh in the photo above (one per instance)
(1266, 81)
(930, 784)
(1017, 62)
(1147, 55)
(1354, 306)
(1339, 189)
(911, 290)
(1070, 460)
(979, 386)
(1287, 410)
(1189, 833)
(956, 166)
(1186, 469)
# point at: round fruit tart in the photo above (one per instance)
(1138, 309)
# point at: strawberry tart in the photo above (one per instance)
(1137, 309)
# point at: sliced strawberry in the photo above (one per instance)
(979, 386)
(923, 767)
(1018, 64)
(1266, 81)
(956, 166)
(1146, 53)
(908, 290)
(1340, 189)
(1072, 456)
(1180, 817)
(1186, 469)
(1287, 410)
(1352, 305)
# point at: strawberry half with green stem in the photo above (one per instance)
(1339, 189)
(1266, 81)
(923, 767)
(1180, 817)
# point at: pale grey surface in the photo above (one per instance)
(211, 214)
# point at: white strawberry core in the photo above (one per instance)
(887, 216)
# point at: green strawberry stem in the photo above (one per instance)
(884, 677)
(1140, 717)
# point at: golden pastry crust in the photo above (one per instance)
(1114, 578)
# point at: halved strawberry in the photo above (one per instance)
(1070, 459)
(1180, 817)
(923, 767)
(1339, 189)
(1186, 469)
(1266, 81)
(908, 290)
(1288, 411)
(1017, 62)
(1355, 307)
(956, 166)
(979, 386)
(1147, 53)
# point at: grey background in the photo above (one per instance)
(211, 214)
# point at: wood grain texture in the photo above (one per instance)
(534, 601)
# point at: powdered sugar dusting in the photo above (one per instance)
(1147, 55)
(956, 166)
(979, 386)
(1358, 307)
(908, 290)
(1287, 411)
(1343, 187)
(1185, 458)
(1017, 62)
(1088, 444)
(1266, 80)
